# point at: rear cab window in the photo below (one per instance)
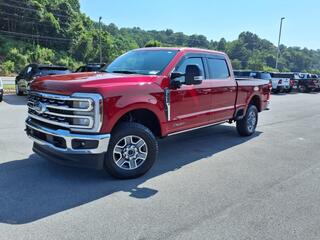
(218, 68)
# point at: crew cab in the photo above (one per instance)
(111, 120)
(32, 71)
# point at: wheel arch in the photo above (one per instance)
(143, 115)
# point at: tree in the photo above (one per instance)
(153, 43)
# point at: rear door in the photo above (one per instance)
(224, 89)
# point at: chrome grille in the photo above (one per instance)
(79, 112)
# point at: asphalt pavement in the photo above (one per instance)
(208, 184)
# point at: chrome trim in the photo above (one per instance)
(65, 108)
(167, 103)
(95, 107)
(196, 128)
(55, 123)
(103, 140)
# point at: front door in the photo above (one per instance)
(191, 105)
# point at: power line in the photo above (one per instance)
(30, 18)
(30, 9)
(25, 22)
(22, 18)
(26, 5)
(36, 36)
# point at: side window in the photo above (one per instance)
(190, 61)
(218, 68)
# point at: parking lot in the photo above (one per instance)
(208, 184)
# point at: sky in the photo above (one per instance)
(216, 18)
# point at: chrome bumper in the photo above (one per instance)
(102, 139)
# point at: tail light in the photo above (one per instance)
(292, 82)
(280, 81)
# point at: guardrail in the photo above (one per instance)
(8, 80)
(8, 84)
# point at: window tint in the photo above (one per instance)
(218, 69)
(190, 61)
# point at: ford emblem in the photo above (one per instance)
(40, 107)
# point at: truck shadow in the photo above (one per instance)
(13, 99)
(32, 189)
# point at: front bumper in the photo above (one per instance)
(65, 146)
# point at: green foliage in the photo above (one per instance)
(18, 58)
(71, 38)
(153, 43)
(42, 55)
(7, 67)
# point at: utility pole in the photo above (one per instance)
(280, 32)
(100, 43)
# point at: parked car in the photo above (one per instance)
(30, 72)
(281, 82)
(91, 67)
(308, 82)
(1, 90)
(252, 74)
(112, 120)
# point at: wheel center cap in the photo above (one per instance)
(130, 151)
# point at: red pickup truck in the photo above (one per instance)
(111, 119)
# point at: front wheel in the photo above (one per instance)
(132, 151)
(247, 126)
(18, 92)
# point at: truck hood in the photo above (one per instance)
(88, 82)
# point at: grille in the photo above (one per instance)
(79, 112)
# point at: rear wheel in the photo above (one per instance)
(247, 126)
(132, 151)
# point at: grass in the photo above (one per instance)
(9, 88)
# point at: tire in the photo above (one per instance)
(126, 143)
(1, 98)
(18, 92)
(247, 125)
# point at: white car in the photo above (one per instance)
(281, 82)
(1, 90)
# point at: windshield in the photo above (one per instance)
(146, 62)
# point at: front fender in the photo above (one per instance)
(116, 108)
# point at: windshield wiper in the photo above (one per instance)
(124, 72)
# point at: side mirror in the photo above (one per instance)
(193, 75)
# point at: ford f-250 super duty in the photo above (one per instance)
(111, 120)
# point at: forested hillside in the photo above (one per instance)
(55, 31)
